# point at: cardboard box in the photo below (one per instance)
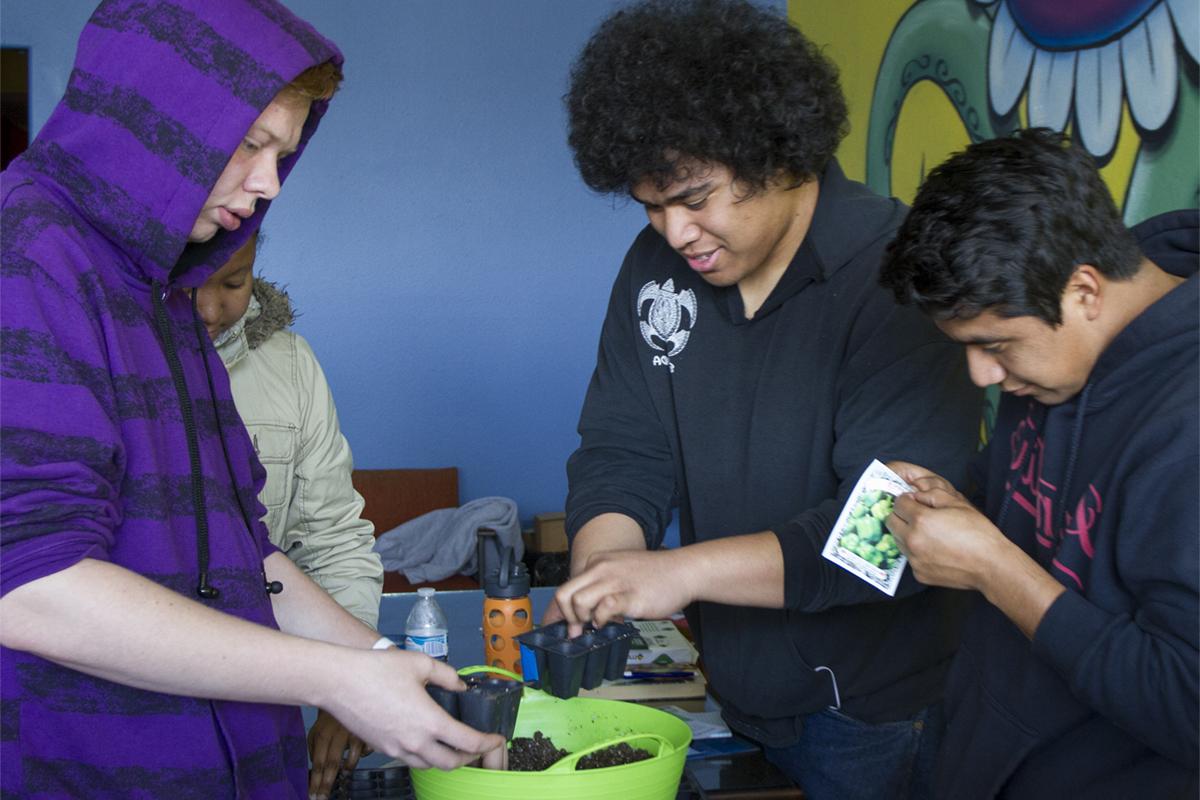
(550, 533)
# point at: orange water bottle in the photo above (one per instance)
(506, 612)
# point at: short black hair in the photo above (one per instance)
(724, 82)
(1002, 225)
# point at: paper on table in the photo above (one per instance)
(704, 724)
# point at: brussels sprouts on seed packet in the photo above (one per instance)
(860, 542)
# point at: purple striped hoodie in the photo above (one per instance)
(108, 450)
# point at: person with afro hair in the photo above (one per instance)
(750, 368)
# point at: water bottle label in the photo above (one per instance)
(434, 646)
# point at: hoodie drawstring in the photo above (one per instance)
(159, 295)
(202, 338)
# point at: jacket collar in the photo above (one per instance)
(846, 221)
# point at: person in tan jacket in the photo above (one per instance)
(313, 511)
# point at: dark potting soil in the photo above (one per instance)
(613, 756)
(532, 754)
(536, 753)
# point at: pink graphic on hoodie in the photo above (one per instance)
(1066, 550)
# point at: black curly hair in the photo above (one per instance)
(1002, 225)
(666, 82)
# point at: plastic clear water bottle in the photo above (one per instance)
(425, 630)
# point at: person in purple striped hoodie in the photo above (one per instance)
(155, 644)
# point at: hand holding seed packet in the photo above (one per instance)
(859, 542)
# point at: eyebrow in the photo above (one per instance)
(274, 137)
(982, 339)
(679, 197)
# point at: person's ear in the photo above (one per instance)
(1085, 292)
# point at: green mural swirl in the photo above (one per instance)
(945, 42)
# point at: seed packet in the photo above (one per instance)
(860, 542)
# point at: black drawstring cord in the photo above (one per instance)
(189, 426)
(272, 587)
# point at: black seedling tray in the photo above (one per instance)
(372, 783)
(488, 705)
(563, 666)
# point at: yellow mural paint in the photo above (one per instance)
(1117, 171)
(928, 133)
(853, 33)
(928, 126)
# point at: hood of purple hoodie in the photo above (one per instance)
(138, 140)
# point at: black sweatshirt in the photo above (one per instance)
(1101, 491)
(765, 424)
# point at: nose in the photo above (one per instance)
(985, 370)
(263, 179)
(208, 306)
(678, 227)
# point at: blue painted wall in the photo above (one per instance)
(451, 269)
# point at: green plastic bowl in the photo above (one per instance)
(574, 725)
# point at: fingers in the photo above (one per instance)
(937, 496)
(905, 511)
(433, 739)
(553, 613)
(597, 600)
(910, 472)
(899, 525)
(399, 717)
(571, 600)
(326, 742)
(457, 744)
(609, 587)
(606, 610)
(443, 675)
(324, 778)
(562, 605)
(355, 750)
(905, 520)
(496, 759)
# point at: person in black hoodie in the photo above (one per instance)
(1078, 673)
(750, 368)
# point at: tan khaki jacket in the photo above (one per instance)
(313, 512)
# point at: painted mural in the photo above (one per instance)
(923, 79)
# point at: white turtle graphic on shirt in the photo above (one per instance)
(664, 320)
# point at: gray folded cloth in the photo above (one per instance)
(442, 543)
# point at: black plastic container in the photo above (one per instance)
(562, 666)
(488, 705)
(388, 783)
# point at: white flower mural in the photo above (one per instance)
(1088, 56)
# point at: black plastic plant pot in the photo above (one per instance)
(537, 641)
(619, 637)
(555, 629)
(446, 698)
(594, 661)
(367, 784)
(565, 661)
(508, 702)
(490, 705)
(565, 665)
